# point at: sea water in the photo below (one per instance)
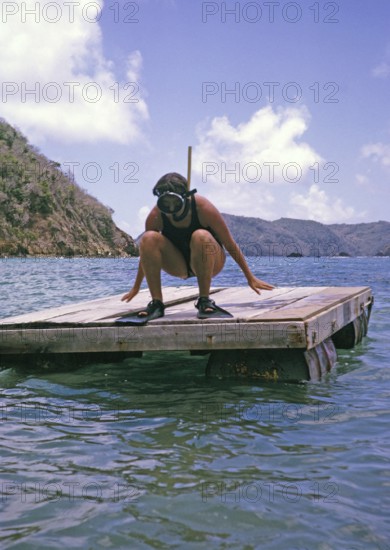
(150, 454)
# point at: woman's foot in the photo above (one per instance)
(153, 310)
(207, 309)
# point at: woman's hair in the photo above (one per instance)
(173, 182)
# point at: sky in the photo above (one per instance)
(285, 104)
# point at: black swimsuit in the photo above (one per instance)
(181, 236)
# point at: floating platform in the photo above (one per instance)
(287, 333)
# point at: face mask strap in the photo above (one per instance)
(185, 194)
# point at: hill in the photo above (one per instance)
(44, 212)
(291, 237)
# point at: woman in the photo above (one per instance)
(185, 235)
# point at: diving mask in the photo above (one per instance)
(171, 203)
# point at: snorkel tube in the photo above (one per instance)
(173, 193)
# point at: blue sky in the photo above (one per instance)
(284, 103)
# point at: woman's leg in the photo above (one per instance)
(157, 253)
(207, 259)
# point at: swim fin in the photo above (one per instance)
(204, 303)
(153, 310)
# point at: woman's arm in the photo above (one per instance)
(136, 286)
(209, 216)
(153, 223)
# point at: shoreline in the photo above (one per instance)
(129, 256)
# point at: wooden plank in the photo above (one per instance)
(51, 313)
(240, 302)
(181, 308)
(117, 308)
(198, 336)
(243, 301)
(324, 324)
(101, 308)
(290, 301)
(314, 304)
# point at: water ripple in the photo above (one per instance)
(149, 453)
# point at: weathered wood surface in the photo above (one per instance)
(101, 309)
(286, 317)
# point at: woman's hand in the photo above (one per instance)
(130, 295)
(137, 285)
(257, 284)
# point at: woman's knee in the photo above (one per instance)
(201, 235)
(204, 246)
(149, 240)
(202, 239)
(203, 242)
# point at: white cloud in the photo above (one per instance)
(137, 225)
(382, 70)
(241, 166)
(134, 66)
(316, 205)
(124, 225)
(77, 96)
(362, 180)
(379, 152)
(143, 213)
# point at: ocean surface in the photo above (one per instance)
(150, 454)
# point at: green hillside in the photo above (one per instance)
(44, 212)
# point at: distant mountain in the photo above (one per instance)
(291, 237)
(44, 212)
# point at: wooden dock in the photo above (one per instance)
(286, 333)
